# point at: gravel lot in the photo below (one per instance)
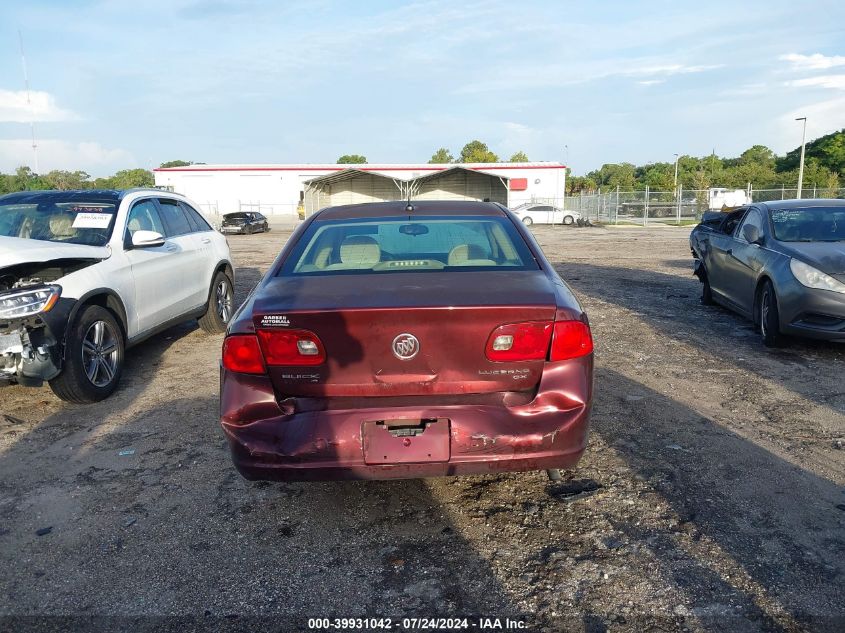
(710, 498)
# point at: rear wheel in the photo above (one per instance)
(769, 316)
(93, 359)
(221, 305)
(568, 219)
(527, 221)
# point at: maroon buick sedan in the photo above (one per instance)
(396, 340)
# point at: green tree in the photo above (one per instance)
(477, 152)
(66, 180)
(610, 176)
(352, 159)
(758, 155)
(129, 178)
(442, 155)
(831, 186)
(177, 163)
(24, 179)
(518, 157)
(829, 150)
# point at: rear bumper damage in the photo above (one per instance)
(270, 443)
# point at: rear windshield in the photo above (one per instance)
(400, 244)
(809, 224)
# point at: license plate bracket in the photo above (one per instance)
(406, 441)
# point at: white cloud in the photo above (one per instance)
(823, 117)
(670, 69)
(651, 82)
(817, 61)
(528, 76)
(837, 82)
(55, 154)
(41, 107)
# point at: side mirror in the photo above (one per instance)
(752, 234)
(147, 239)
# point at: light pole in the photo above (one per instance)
(801, 165)
(676, 175)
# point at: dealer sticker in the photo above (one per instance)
(274, 320)
(92, 220)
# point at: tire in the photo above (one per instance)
(527, 221)
(93, 358)
(221, 305)
(767, 310)
(568, 219)
(706, 291)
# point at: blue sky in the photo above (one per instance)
(120, 84)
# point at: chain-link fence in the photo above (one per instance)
(768, 195)
(686, 206)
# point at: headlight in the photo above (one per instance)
(812, 278)
(24, 303)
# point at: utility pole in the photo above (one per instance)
(29, 103)
(801, 167)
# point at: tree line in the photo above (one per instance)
(824, 166)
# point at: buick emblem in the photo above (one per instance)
(405, 346)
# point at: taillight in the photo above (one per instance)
(291, 347)
(520, 341)
(242, 354)
(571, 339)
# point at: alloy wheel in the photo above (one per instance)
(100, 353)
(223, 295)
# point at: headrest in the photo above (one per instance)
(462, 253)
(360, 249)
(62, 225)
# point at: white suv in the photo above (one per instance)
(86, 274)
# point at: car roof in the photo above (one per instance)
(400, 208)
(81, 195)
(803, 203)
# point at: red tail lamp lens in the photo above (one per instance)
(242, 354)
(520, 341)
(291, 347)
(571, 339)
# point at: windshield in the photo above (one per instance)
(56, 220)
(397, 244)
(809, 224)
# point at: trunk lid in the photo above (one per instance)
(360, 320)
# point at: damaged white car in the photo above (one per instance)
(86, 274)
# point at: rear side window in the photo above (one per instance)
(397, 244)
(174, 218)
(198, 223)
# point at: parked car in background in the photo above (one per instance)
(86, 274)
(545, 214)
(244, 223)
(391, 340)
(781, 264)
